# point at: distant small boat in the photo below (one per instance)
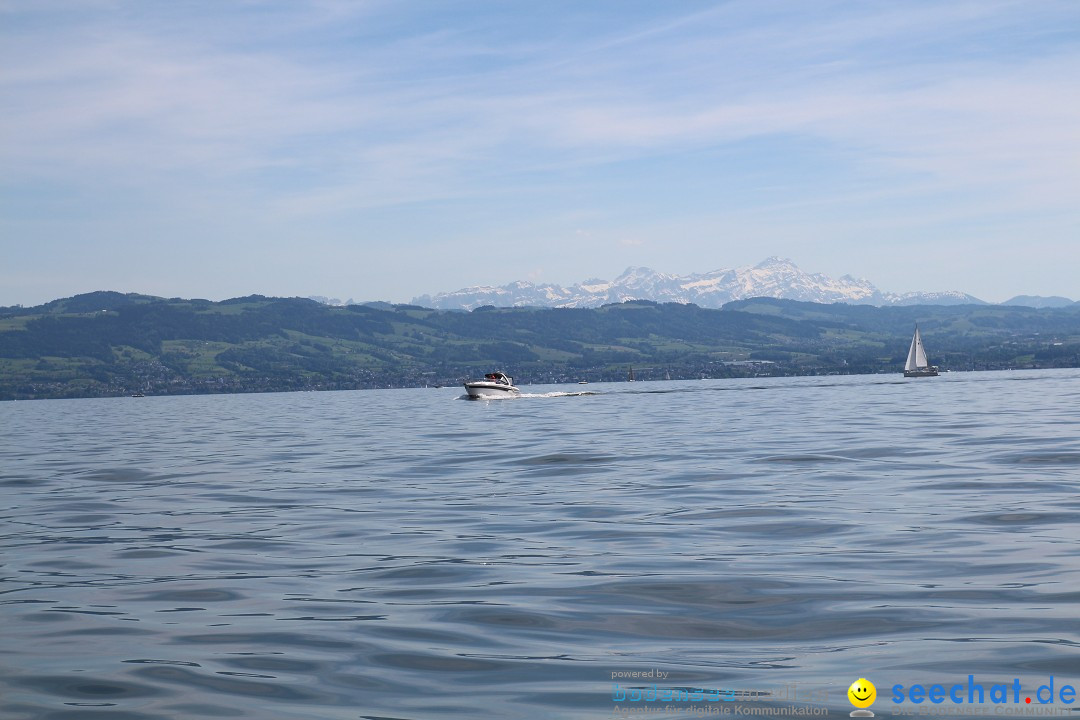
(917, 364)
(582, 382)
(494, 384)
(137, 394)
(630, 375)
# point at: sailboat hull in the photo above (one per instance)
(921, 372)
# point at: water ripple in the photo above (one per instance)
(400, 555)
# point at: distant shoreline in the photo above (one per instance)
(110, 344)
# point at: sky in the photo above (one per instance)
(387, 149)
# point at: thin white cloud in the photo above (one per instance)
(327, 108)
(124, 100)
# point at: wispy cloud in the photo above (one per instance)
(424, 110)
(322, 108)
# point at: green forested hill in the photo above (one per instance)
(109, 343)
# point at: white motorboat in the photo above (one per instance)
(917, 364)
(494, 384)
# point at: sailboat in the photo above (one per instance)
(917, 365)
(630, 375)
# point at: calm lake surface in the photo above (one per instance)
(409, 554)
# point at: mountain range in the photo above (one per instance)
(774, 277)
(111, 343)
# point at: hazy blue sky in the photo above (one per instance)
(380, 150)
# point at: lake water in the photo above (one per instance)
(409, 554)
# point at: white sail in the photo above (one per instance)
(916, 357)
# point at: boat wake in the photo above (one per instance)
(531, 395)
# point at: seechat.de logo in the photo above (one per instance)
(862, 694)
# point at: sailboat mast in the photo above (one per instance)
(920, 351)
(912, 356)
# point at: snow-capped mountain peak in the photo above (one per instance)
(773, 277)
(777, 263)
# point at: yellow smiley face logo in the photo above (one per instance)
(862, 693)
